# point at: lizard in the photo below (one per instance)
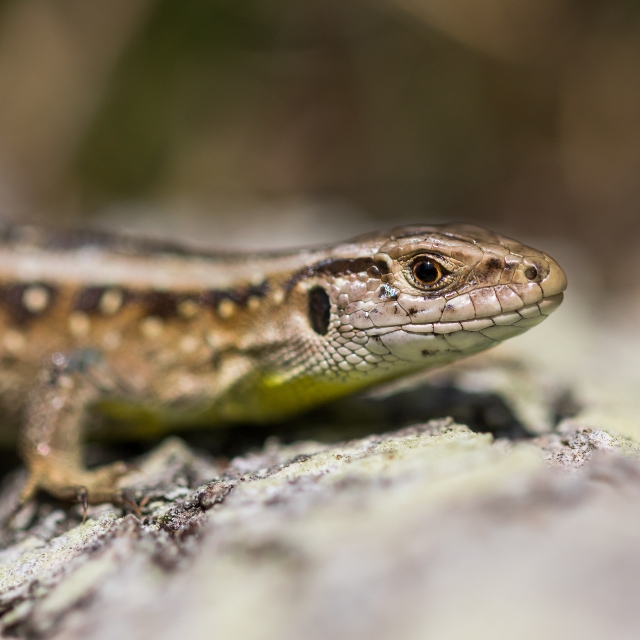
(159, 335)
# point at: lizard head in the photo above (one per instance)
(389, 304)
(421, 296)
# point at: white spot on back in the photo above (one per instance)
(253, 303)
(226, 308)
(152, 327)
(35, 299)
(79, 324)
(189, 344)
(188, 308)
(111, 301)
(13, 341)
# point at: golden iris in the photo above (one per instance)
(427, 272)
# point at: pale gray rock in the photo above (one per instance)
(429, 532)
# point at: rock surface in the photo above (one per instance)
(432, 531)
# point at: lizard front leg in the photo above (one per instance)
(51, 439)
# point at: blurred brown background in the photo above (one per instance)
(271, 121)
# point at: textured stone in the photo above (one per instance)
(432, 531)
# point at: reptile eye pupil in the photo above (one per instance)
(427, 271)
(531, 273)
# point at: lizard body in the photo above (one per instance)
(163, 335)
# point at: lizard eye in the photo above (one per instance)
(427, 271)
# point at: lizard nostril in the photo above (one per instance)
(531, 273)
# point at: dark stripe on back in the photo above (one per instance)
(165, 304)
(239, 295)
(332, 267)
(162, 304)
(88, 299)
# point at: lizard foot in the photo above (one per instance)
(75, 484)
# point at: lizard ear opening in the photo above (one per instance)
(319, 310)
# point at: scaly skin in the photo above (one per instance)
(161, 336)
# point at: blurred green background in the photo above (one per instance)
(266, 122)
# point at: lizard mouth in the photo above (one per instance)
(523, 318)
(550, 303)
(444, 341)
